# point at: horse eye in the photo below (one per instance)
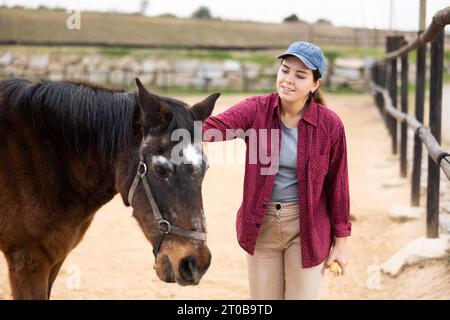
(162, 171)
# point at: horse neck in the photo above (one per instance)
(73, 132)
(89, 153)
(95, 171)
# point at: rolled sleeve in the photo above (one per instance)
(342, 229)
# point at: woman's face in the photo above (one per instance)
(295, 80)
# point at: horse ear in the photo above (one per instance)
(202, 110)
(155, 115)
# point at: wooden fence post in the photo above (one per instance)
(383, 83)
(377, 80)
(419, 102)
(436, 68)
(393, 43)
(375, 74)
(404, 125)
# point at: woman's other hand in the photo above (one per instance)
(339, 253)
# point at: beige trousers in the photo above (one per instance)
(275, 271)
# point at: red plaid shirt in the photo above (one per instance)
(324, 201)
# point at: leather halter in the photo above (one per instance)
(164, 226)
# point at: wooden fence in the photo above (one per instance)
(384, 76)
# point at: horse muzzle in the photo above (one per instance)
(185, 271)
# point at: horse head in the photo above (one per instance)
(161, 178)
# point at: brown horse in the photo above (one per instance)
(67, 148)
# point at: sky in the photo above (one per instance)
(352, 13)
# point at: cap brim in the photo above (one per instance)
(307, 63)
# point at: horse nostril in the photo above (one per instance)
(188, 269)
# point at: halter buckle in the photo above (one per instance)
(144, 169)
(168, 227)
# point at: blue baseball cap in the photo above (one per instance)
(308, 53)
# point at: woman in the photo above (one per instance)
(294, 220)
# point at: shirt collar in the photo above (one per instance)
(310, 115)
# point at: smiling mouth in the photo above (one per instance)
(287, 89)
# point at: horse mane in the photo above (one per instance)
(90, 118)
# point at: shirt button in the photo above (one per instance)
(278, 206)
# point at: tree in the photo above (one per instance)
(202, 13)
(324, 21)
(291, 18)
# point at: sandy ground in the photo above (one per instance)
(114, 261)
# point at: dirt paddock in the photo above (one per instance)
(114, 260)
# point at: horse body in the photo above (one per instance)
(66, 150)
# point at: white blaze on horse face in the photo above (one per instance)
(193, 154)
(160, 160)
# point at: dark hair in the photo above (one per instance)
(317, 95)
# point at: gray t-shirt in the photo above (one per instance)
(285, 187)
